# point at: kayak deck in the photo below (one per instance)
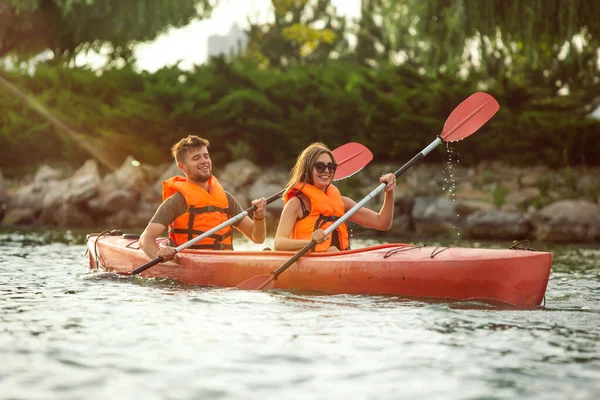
(514, 277)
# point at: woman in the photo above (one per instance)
(312, 204)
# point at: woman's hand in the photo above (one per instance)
(389, 180)
(319, 236)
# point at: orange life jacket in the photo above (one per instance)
(205, 211)
(325, 208)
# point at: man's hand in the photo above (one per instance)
(261, 209)
(166, 253)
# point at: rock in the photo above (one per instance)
(84, 184)
(29, 197)
(131, 177)
(113, 201)
(434, 215)
(20, 216)
(239, 173)
(465, 208)
(588, 185)
(424, 180)
(523, 196)
(533, 176)
(68, 215)
(568, 221)
(54, 197)
(123, 219)
(46, 174)
(466, 191)
(401, 225)
(497, 224)
(403, 205)
(268, 184)
(260, 189)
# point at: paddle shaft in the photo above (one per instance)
(358, 205)
(208, 233)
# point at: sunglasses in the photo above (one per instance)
(320, 166)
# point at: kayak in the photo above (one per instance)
(514, 277)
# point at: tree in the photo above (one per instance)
(547, 40)
(67, 27)
(302, 31)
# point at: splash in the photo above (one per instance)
(450, 181)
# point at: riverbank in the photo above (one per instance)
(491, 201)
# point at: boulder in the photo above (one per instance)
(239, 173)
(497, 224)
(434, 215)
(523, 197)
(84, 184)
(45, 174)
(568, 221)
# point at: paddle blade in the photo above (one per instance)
(469, 116)
(351, 158)
(258, 282)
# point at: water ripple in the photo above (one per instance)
(67, 333)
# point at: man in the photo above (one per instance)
(196, 204)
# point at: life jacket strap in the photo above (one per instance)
(201, 210)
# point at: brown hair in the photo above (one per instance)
(181, 148)
(302, 171)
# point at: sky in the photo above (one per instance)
(189, 43)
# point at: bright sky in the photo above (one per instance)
(189, 44)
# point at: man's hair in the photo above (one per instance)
(182, 148)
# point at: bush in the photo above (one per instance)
(393, 110)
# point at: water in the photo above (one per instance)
(66, 333)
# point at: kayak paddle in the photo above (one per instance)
(351, 158)
(469, 116)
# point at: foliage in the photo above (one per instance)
(69, 26)
(302, 31)
(554, 42)
(393, 110)
(499, 195)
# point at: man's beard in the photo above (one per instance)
(202, 177)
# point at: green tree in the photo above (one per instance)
(67, 27)
(548, 41)
(303, 31)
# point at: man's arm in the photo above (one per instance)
(166, 213)
(254, 229)
(148, 239)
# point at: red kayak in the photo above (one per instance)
(514, 277)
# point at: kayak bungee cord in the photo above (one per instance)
(114, 232)
(403, 248)
(435, 252)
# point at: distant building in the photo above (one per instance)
(233, 43)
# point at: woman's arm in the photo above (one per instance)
(381, 221)
(291, 213)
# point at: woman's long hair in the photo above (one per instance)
(302, 171)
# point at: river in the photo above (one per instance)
(68, 333)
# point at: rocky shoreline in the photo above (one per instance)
(491, 201)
